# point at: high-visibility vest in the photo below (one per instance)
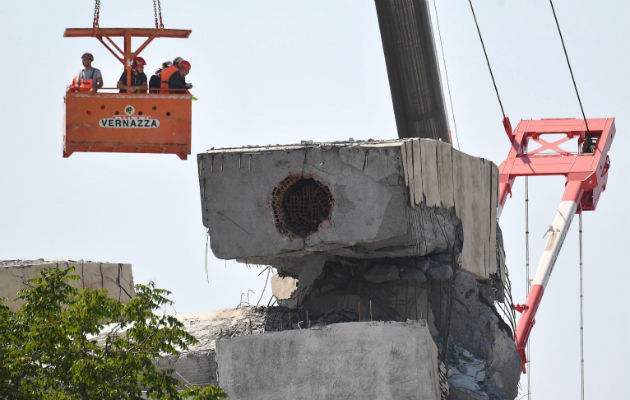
(86, 85)
(165, 76)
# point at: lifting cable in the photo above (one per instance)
(97, 13)
(577, 93)
(581, 316)
(527, 285)
(487, 60)
(157, 13)
(566, 55)
(448, 85)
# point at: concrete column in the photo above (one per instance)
(412, 67)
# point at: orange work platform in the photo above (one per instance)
(128, 123)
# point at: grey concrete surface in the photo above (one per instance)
(360, 360)
(117, 278)
(439, 176)
(394, 198)
(191, 368)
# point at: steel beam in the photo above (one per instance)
(412, 67)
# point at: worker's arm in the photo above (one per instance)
(142, 88)
(178, 83)
(120, 85)
(97, 81)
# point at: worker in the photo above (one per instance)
(156, 79)
(166, 74)
(89, 79)
(138, 78)
(177, 81)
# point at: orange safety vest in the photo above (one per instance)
(165, 75)
(85, 85)
(73, 85)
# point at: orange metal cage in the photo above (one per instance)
(129, 123)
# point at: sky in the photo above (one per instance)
(282, 71)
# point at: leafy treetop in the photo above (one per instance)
(48, 348)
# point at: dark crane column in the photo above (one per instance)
(412, 67)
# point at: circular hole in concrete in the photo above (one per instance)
(300, 204)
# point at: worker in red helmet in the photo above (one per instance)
(89, 80)
(167, 72)
(138, 78)
(177, 81)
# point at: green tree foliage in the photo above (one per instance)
(48, 348)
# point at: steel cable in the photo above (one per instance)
(448, 85)
(494, 83)
(97, 12)
(566, 55)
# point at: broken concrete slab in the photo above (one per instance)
(116, 278)
(360, 360)
(197, 368)
(395, 198)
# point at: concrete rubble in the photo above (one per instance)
(396, 230)
(480, 359)
(117, 278)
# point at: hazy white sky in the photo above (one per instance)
(282, 71)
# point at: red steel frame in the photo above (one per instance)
(586, 171)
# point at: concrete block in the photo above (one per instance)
(191, 368)
(430, 170)
(359, 360)
(117, 278)
(275, 205)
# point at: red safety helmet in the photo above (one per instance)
(185, 65)
(138, 62)
(89, 56)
